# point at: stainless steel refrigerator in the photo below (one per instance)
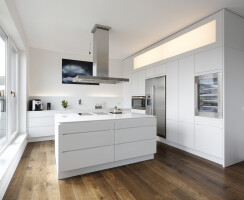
(155, 98)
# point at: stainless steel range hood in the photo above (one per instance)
(100, 59)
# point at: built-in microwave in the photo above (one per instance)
(138, 102)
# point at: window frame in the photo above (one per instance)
(9, 44)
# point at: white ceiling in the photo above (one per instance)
(65, 25)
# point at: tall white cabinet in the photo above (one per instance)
(172, 99)
(186, 102)
(218, 139)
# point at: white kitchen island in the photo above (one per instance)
(89, 143)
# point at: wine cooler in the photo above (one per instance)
(208, 95)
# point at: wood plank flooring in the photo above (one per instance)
(173, 174)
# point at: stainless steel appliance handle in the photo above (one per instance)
(152, 99)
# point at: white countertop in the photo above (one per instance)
(74, 117)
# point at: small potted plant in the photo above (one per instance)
(65, 104)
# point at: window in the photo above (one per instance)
(3, 62)
(8, 90)
(13, 89)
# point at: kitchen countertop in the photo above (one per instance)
(74, 117)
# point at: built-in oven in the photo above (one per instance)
(138, 102)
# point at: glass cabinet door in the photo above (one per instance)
(208, 95)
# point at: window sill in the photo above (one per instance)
(9, 157)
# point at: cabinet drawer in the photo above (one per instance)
(133, 123)
(79, 141)
(41, 121)
(86, 126)
(84, 158)
(41, 131)
(135, 134)
(33, 114)
(134, 149)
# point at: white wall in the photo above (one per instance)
(45, 76)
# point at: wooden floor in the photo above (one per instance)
(173, 174)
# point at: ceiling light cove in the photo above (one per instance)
(199, 37)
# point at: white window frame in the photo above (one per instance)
(10, 137)
(6, 64)
(11, 44)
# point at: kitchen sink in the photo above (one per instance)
(100, 113)
(84, 114)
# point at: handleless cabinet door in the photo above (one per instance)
(187, 134)
(209, 140)
(209, 61)
(172, 91)
(186, 89)
(160, 70)
(134, 83)
(141, 83)
(172, 131)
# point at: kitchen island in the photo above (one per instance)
(89, 142)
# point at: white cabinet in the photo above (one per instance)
(138, 83)
(209, 60)
(69, 142)
(41, 124)
(149, 72)
(134, 122)
(134, 149)
(135, 134)
(155, 71)
(160, 70)
(172, 91)
(186, 89)
(209, 140)
(134, 84)
(141, 83)
(90, 126)
(88, 146)
(42, 131)
(72, 160)
(187, 134)
(172, 132)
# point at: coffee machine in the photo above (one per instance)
(35, 105)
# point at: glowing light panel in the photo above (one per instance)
(199, 37)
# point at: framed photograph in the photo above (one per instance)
(72, 68)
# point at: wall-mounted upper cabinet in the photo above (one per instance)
(158, 70)
(138, 83)
(208, 61)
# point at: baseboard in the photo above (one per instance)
(66, 174)
(17, 149)
(192, 151)
(40, 139)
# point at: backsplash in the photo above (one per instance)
(73, 101)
